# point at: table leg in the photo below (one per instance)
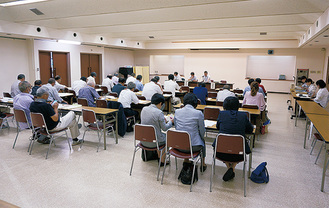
(117, 127)
(324, 167)
(296, 115)
(305, 131)
(104, 131)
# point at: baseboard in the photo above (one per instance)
(278, 92)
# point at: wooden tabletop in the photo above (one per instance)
(101, 111)
(321, 123)
(312, 108)
(201, 107)
(65, 94)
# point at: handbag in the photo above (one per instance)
(260, 174)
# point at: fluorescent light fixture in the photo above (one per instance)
(69, 42)
(20, 2)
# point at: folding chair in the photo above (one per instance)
(5, 120)
(114, 94)
(180, 140)
(317, 137)
(185, 88)
(140, 97)
(38, 121)
(101, 103)
(105, 91)
(83, 101)
(219, 103)
(89, 117)
(146, 133)
(20, 117)
(237, 91)
(211, 114)
(229, 144)
(212, 94)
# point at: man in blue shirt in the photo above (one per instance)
(139, 84)
(201, 92)
(120, 86)
(89, 93)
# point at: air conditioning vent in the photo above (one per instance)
(36, 11)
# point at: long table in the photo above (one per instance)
(201, 107)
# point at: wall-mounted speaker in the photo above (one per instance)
(270, 52)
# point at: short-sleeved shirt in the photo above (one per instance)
(139, 85)
(201, 93)
(118, 88)
(47, 111)
(90, 94)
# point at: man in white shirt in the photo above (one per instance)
(108, 82)
(193, 78)
(131, 78)
(171, 86)
(221, 95)
(206, 77)
(58, 84)
(177, 77)
(92, 77)
(151, 88)
(115, 78)
(127, 97)
(78, 84)
(14, 87)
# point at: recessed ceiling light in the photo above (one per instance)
(310, 44)
(316, 41)
(263, 33)
(326, 36)
(20, 2)
(151, 36)
(36, 11)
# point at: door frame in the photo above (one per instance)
(100, 73)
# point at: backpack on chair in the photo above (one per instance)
(260, 174)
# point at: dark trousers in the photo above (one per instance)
(131, 112)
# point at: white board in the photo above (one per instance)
(270, 67)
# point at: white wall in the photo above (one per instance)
(115, 58)
(231, 65)
(14, 60)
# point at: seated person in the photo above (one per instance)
(311, 88)
(115, 78)
(131, 78)
(92, 77)
(191, 120)
(37, 85)
(177, 77)
(254, 97)
(127, 97)
(58, 84)
(248, 88)
(119, 87)
(261, 86)
(89, 93)
(221, 95)
(139, 84)
(304, 85)
(23, 101)
(152, 115)
(231, 121)
(151, 88)
(322, 94)
(201, 92)
(14, 87)
(108, 82)
(50, 114)
(53, 93)
(171, 86)
(192, 78)
(78, 84)
(206, 77)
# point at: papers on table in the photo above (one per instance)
(68, 107)
(144, 101)
(110, 97)
(209, 123)
(7, 100)
(169, 117)
(303, 96)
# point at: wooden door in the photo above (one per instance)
(45, 66)
(327, 75)
(61, 68)
(85, 64)
(94, 67)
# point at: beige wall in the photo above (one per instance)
(115, 58)
(231, 65)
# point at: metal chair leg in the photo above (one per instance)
(132, 162)
(176, 163)
(245, 179)
(83, 138)
(323, 144)
(313, 145)
(212, 173)
(164, 167)
(99, 141)
(51, 141)
(161, 153)
(68, 141)
(16, 137)
(192, 179)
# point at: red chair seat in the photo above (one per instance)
(9, 114)
(318, 137)
(150, 149)
(179, 154)
(100, 125)
(44, 132)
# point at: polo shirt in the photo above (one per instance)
(46, 110)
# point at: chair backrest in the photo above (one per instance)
(136, 90)
(167, 92)
(141, 97)
(230, 144)
(212, 94)
(185, 88)
(219, 103)
(250, 106)
(6, 94)
(104, 90)
(114, 94)
(145, 133)
(238, 91)
(20, 116)
(83, 101)
(88, 116)
(211, 113)
(72, 91)
(38, 121)
(101, 103)
(248, 114)
(193, 84)
(97, 86)
(179, 140)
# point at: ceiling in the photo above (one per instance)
(169, 21)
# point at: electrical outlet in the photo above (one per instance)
(319, 72)
(156, 72)
(312, 72)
